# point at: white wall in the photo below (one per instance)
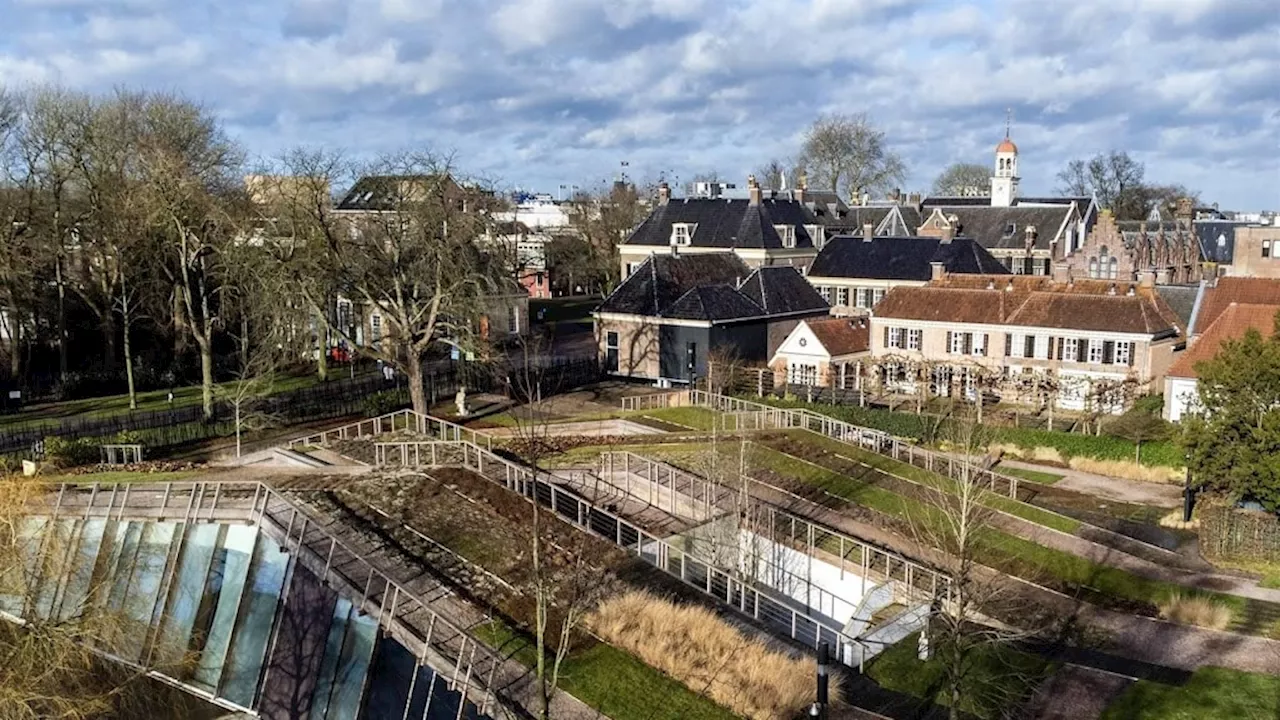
(1180, 397)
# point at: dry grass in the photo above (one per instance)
(1036, 454)
(1127, 470)
(694, 646)
(1196, 610)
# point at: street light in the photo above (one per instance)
(819, 708)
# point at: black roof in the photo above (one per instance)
(387, 192)
(1217, 240)
(727, 223)
(1181, 299)
(901, 258)
(715, 287)
(1004, 228)
(984, 200)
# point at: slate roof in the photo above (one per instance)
(716, 287)
(1217, 240)
(1232, 323)
(1181, 299)
(966, 200)
(842, 336)
(901, 258)
(990, 225)
(386, 192)
(727, 223)
(1034, 301)
(1250, 291)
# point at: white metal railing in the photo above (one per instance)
(657, 401)
(121, 453)
(400, 420)
(704, 576)
(877, 441)
(917, 581)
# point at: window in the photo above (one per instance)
(895, 337)
(1266, 248)
(1113, 269)
(1093, 268)
(1095, 351)
(1040, 266)
(803, 374)
(787, 233)
(513, 319)
(541, 279)
(876, 297)
(817, 234)
(1028, 346)
(344, 315)
(682, 233)
(1071, 349)
(956, 342)
(978, 343)
(375, 328)
(842, 297)
(863, 297)
(1019, 266)
(631, 268)
(1124, 353)
(825, 292)
(611, 351)
(690, 359)
(914, 339)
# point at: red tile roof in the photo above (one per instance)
(1231, 323)
(842, 336)
(1228, 290)
(1034, 301)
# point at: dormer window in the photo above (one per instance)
(1010, 229)
(788, 235)
(817, 234)
(682, 233)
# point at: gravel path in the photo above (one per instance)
(1114, 489)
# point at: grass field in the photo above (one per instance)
(111, 405)
(998, 678)
(124, 476)
(1211, 694)
(1035, 476)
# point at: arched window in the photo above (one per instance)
(1113, 269)
(1093, 268)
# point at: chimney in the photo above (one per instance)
(1147, 279)
(664, 193)
(1185, 209)
(1030, 237)
(914, 200)
(1061, 272)
(802, 184)
(936, 270)
(868, 232)
(896, 196)
(753, 190)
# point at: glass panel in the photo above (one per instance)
(58, 546)
(148, 574)
(186, 592)
(227, 575)
(17, 571)
(129, 535)
(253, 626)
(75, 598)
(332, 656)
(393, 670)
(362, 633)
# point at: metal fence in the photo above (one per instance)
(769, 610)
(916, 581)
(398, 421)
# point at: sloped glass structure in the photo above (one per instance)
(220, 610)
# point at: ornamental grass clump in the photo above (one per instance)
(707, 654)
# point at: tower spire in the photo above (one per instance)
(1008, 121)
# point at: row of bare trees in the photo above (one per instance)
(136, 209)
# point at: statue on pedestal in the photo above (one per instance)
(461, 401)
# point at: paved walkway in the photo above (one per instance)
(1115, 489)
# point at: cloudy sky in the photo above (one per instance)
(539, 93)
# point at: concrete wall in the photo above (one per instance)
(1248, 261)
(637, 347)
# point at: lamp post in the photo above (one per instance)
(1188, 497)
(819, 708)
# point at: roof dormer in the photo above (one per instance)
(787, 233)
(682, 233)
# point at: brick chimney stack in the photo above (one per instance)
(1186, 209)
(896, 196)
(753, 190)
(937, 270)
(664, 193)
(1062, 272)
(802, 184)
(868, 232)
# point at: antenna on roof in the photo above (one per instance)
(1008, 120)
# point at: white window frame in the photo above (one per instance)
(895, 338)
(1095, 352)
(915, 339)
(682, 234)
(1019, 265)
(1017, 345)
(842, 297)
(1123, 352)
(817, 235)
(825, 292)
(1071, 349)
(957, 343)
(788, 235)
(862, 296)
(978, 345)
(876, 296)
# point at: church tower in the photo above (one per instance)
(1004, 184)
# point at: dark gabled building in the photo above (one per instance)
(855, 272)
(675, 311)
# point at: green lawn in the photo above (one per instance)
(1035, 476)
(1212, 693)
(694, 418)
(997, 677)
(921, 476)
(611, 680)
(110, 405)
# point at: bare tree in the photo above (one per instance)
(964, 179)
(408, 255)
(603, 219)
(1115, 178)
(846, 153)
(776, 174)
